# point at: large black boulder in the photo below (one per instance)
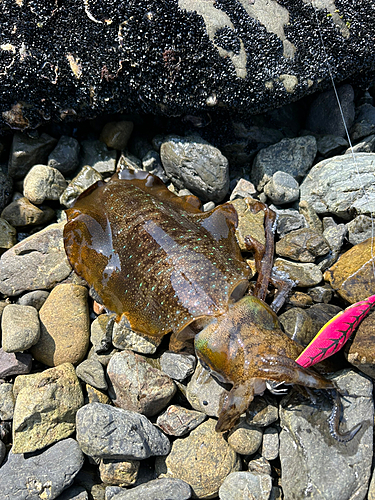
(68, 59)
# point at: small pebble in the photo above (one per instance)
(240, 485)
(35, 299)
(91, 371)
(204, 393)
(360, 229)
(158, 489)
(263, 411)
(95, 154)
(43, 183)
(177, 366)
(178, 421)
(118, 472)
(302, 274)
(86, 177)
(270, 444)
(20, 328)
(243, 189)
(14, 363)
(22, 212)
(101, 332)
(123, 337)
(8, 235)
(65, 156)
(282, 188)
(245, 439)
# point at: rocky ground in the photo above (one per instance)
(88, 408)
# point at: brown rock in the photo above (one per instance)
(65, 327)
(23, 213)
(8, 235)
(203, 460)
(303, 274)
(352, 276)
(94, 395)
(178, 421)
(248, 222)
(118, 472)
(303, 245)
(361, 353)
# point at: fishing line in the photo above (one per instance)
(346, 130)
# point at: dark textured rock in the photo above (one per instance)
(178, 421)
(44, 475)
(28, 151)
(160, 489)
(14, 363)
(303, 245)
(65, 155)
(82, 58)
(6, 189)
(108, 432)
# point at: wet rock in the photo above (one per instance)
(14, 363)
(298, 325)
(44, 475)
(360, 353)
(27, 151)
(91, 371)
(329, 181)
(334, 233)
(151, 162)
(352, 275)
(312, 219)
(303, 274)
(270, 444)
(64, 332)
(263, 411)
(259, 465)
(243, 189)
(123, 337)
(331, 145)
(8, 235)
(248, 222)
(300, 299)
(85, 178)
(203, 460)
(38, 262)
(303, 245)
(204, 393)
(245, 439)
(325, 117)
(321, 293)
(136, 385)
(23, 213)
(282, 188)
(322, 313)
(95, 154)
(6, 189)
(34, 299)
(116, 134)
(108, 432)
(160, 489)
(6, 402)
(101, 332)
(121, 472)
(359, 229)
(43, 183)
(20, 328)
(177, 366)
(293, 156)
(178, 421)
(239, 485)
(65, 156)
(192, 163)
(307, 447)
(45, 409)
(288, 220)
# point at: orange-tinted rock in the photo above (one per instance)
(361, 353)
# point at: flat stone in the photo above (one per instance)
(65, 326)
(331, 145)
(27, 151)
(203, 459)
(121, 472)
(45, 409)
(204, 393)
(37, 262)
(117, 134)
(151, 162)
(177, 366)
(191, 162)
(329, 182)
(245, 439)
(360, 353)
(95, 154)
(306, 445)
(303, 274)
(259, 465)
(293, 156)
(240, 485)
(136, 385)
(270, 444)
(263, 411)
(288, 220)
(321, 293)
(366, 145)
(123, 337)
(86, 177)
(64, 156)
(35, 299)
(91, 371)
(8, 235)
(22, 212)
(160, 489)
(282, 188)
(248, 222)
(20, 328)
(178, 421)
(352, 275)
(43, 183)
(41, 476)
(14, 363)
(311, 217)
(243, 189)
(6, 401)
(108, 432)
(303, 245)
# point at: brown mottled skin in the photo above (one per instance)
(157, 260)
